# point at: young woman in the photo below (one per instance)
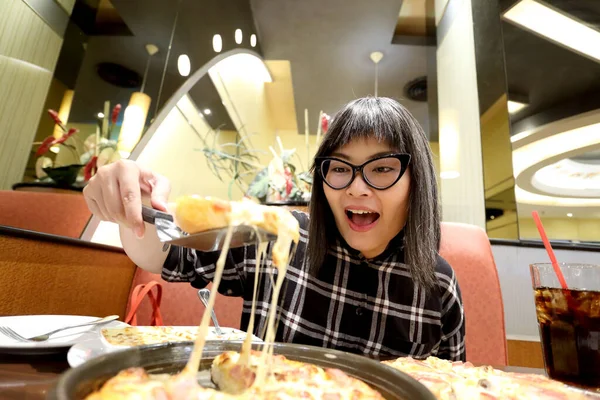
(366, 277)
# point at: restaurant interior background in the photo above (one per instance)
(534, 93)
(212, 93)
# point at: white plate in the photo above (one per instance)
(96, 345)
(32, 325)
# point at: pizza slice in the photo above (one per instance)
(458, 380)
(195, 214)
(143, 335)
(286, 379)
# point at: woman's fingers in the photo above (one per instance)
(130, 197)
(115, 193)
(94, 200)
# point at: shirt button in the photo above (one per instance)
(359, 311)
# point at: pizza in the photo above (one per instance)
(234, 375)
(462, 380)
(143, 335)
(195, 214)
(290, 380)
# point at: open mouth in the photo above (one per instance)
(361, 218)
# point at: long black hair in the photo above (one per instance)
(387, 121)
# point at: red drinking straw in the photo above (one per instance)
(542, 232)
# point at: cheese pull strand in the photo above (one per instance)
(193, 363)
(282, 250)
(245, 354)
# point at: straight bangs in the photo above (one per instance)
(365, 118)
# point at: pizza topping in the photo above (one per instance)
(243, 374)
(484, 383)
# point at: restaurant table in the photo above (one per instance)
(32, 377)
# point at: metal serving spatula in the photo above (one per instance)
(210, 240)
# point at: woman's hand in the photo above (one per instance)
(115, 193)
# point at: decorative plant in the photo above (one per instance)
(238, 163)
(98, 150)
(279, 181)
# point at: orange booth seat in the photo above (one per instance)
(54, 213)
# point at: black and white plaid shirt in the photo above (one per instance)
(370, 307)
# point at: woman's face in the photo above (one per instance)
(368, 218)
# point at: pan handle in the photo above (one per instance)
(150, 215)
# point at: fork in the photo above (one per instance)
(204, 294)
(8, 332)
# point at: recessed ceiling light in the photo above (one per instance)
(207, 111)
(217, 43)
(555, 26)
(514, 106)
(100, 115)
(253, 40)
(238, 36)
(569, 215)
(184, 65)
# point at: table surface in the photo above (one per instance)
(31, 377)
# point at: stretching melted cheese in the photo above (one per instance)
(194, 214)
(261, 375)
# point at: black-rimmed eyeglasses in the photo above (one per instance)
(380, 173)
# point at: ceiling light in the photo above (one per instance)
(207, 111)
(217, 43)
(521, 135)
(100, 115)
(253, 40)
(184, 65)
(569, 215)
(238, 36)
(514, 106)
(241, 66)
(556, 27)
(55, 149)
(376, 56)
